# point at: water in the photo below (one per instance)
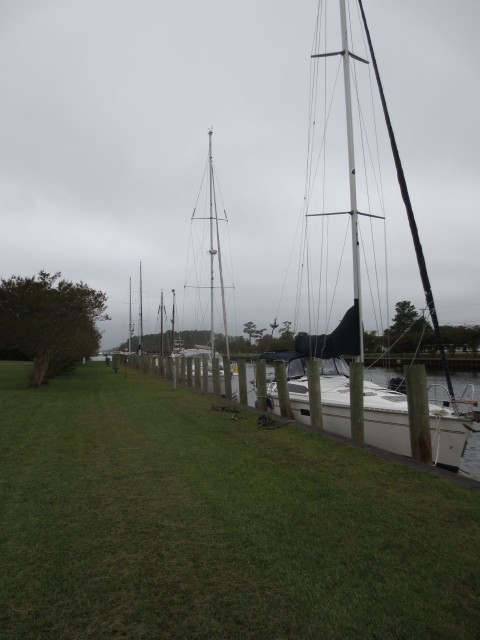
(465, 383)
(251, 395)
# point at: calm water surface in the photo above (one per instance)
(465, 383)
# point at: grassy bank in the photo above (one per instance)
(131, 510)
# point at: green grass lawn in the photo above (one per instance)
(132, 510)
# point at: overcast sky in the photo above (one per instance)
(104, 112)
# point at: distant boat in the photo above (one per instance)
(386, 422)
(200, 351)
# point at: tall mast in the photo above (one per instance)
(161, 324)
(130, 318)
(220, 269)
(212, 251)
(352, 180)
(173, 320)
(141, 311)
(222, 288)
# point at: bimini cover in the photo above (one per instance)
(344, 340)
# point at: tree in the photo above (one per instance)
(239, 345)
(286, 328)
(285, 340)
(50, 320)
(472, 337)
(250, 329)
(266, 343)
(405, 315)
(370, 342)
(409, 329)
(258, 335)
(461, 337)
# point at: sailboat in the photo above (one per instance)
(215, 268)
(385, 411)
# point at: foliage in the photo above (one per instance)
(370, 342)
(50, 320)
(405, 316)
(253, 333)
(461, 337)
(409, 331)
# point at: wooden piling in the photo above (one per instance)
(169, 368)
(217, 388)
(314, 393)
(189, 372)
(356, 401)
(227, 376)
(418, 414)
(261, 384)
(242, 381)
(282, 389)
(205, 373)
(198, 372)
(174, 373)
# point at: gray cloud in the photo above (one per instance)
(103, 139)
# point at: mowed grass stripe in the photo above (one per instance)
(133, 510)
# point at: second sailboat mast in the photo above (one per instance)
(357, 293)
(212, 251)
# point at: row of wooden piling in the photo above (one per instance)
(417, 399)
(193, 372)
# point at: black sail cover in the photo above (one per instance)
(344, 340)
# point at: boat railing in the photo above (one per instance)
(454, 403)
(472, 400)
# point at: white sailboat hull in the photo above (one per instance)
(384, 427)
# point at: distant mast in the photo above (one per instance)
(130, 318)
(141, 312)
(173, 321)
(161, 323)
(213, 252)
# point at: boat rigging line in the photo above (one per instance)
(214, 251)
(410, 215)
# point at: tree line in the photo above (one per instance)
(51, 321)
(410, 331)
